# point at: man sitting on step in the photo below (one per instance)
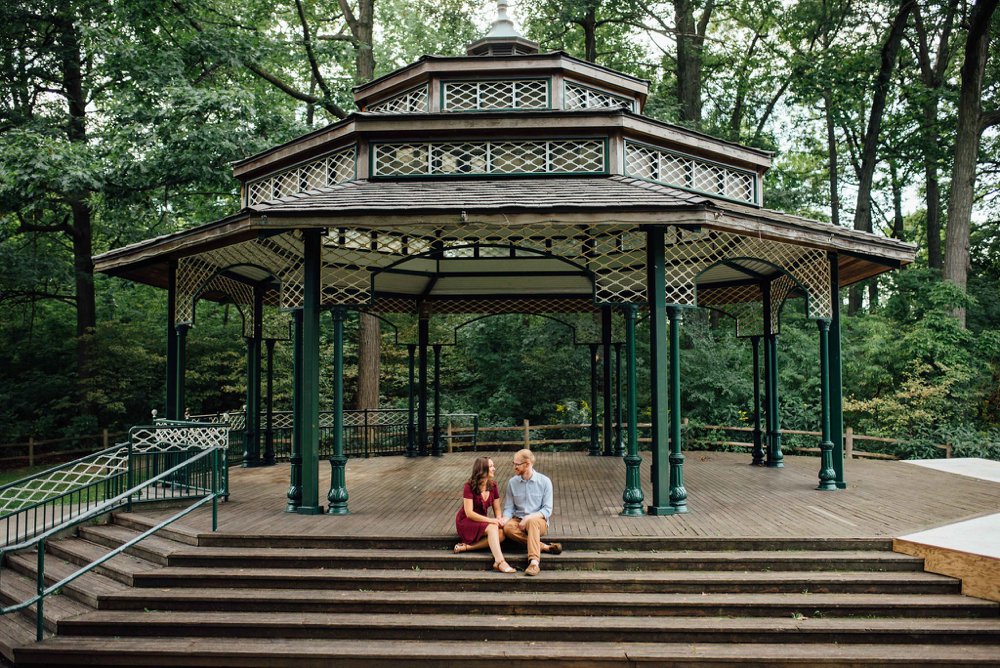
(527, 507)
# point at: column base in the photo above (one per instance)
(628, 511)
(338, 510)
(775, 465)
(664, 510)
(309, 510)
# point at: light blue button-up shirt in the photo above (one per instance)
(525, 497)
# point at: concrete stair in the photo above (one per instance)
(180, 598)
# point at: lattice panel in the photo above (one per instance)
(411, 102)
(574, 156)
(780, 289)
(241, 295)
(175, 439)
(741, 302)
(328, 170)
(681, 171)
(534, 305)
(90, 470)
(506, 94)
(694, 253)
(576, 96)
(192, 273)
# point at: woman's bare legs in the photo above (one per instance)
(494, 537)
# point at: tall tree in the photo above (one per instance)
(869, 149)
(972, 121)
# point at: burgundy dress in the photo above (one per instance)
(471, 531)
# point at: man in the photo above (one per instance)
(527, 507)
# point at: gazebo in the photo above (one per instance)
(510, 180)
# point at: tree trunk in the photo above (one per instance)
(589, 25)
(931, 184)
(831, 149)
(690, 41)
(369, 327)
(80, 231)
(869, 157)
(970, 127)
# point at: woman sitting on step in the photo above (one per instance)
(474, 526)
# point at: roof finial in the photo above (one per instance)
(503, 38)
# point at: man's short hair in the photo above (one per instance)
(525, 454)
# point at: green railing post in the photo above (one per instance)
(827, 476)
(338, 462)
(656, 290)
(678, 494)
(411, 428)
(215, 489)
(758, 447)
(632, 496)
(269, 425)
(40, 590)
(423, 338)
(607, 435)
(595, 446)
(295, 458)
(619, 436)
(129, 482)
(364, 436)
(436, 448)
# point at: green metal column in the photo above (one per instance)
(171, 407)
(338, 462)
(295, 473)
(836, 376)
(595, 445)
(269, 424)
(656, 295)
(180, 369)
(436, 449)
(423, 336)
(758, 447)
(774, 455)
(608, 436)
(632, 496)
(827, 477)
(678, 494)
(619, 436)
(251, 454)
(308, 416)
(411, 428)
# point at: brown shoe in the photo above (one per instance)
(532, 569)
(554, 548)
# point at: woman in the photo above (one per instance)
(474, 526)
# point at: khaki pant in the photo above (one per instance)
(532, 537)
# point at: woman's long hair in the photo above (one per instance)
(480, 472)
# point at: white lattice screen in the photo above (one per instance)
(576, 96)
(331, 169)
(411, 101)
(504, 94)
(572, 156)
(681, 171)
(614, 255)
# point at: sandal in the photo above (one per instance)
(460, 547)
(504, 567)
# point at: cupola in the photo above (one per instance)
(503, 39)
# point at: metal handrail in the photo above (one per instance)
(108, 506)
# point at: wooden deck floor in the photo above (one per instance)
(395, 496)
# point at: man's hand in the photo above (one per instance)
(503, 520)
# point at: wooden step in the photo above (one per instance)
(122, 567)
(155, 549)
(87, 588)
(250, 652)
(502, 628)
(16, 588)
(672, 582)
(551, 603)
(137, 520)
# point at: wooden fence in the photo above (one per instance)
(54, 450)
(524, 437)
